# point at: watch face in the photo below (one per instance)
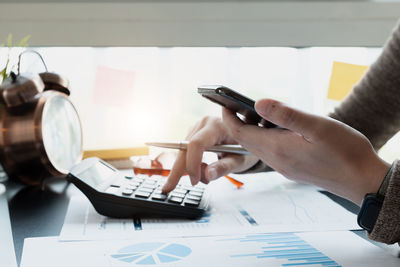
(61, 133)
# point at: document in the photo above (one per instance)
(7, 253)
(266, 203)
(343, 78)
(274, 249)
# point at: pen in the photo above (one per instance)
(182, 145)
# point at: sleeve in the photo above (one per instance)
(373, 107)
(387, 226)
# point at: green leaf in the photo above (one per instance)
(3, 74)
(9, 40)
(24, 41)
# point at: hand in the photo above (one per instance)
(311, 149)
(206, 133)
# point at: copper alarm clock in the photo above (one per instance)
(41, 132)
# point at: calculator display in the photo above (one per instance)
(96, 174)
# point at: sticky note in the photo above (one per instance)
(113, 87)
(343, 77)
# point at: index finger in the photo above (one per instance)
(178, 169)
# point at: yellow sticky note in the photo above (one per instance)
(344, 76)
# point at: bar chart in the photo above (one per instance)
(287, 247)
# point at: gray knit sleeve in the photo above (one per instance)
(387, 226)
(373, 107)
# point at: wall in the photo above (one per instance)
(199, 23)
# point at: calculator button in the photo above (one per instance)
(194, 193)
(116, 184)
(134, 183)
(112, 190)
(149, 186)
(189, 202)
(142, 194)
(176, 200)
(187, 187)
(150, 182)
(159, 197)
(127, 192)
(178, 195)
(180, 191)
(197, 189)
(144, 189)
(132, 187)
(157, 191)
(196, 198)
(128, 177)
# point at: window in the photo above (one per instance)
(127, 96)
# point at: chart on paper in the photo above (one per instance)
(277, 249)
(267, 203)
(151, 253)
(288, 248)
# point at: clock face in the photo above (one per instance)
(61, 133)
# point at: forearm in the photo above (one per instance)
(373, 108)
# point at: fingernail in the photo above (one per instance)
(263, 107)
(165, 188)
(192, 180)
(211, 174)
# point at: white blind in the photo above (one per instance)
(198, 23)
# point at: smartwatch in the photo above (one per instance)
(372, 205)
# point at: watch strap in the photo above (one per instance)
(372, 204)
(369, 212)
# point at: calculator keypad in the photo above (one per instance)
(150, 188)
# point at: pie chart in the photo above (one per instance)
(151, 253)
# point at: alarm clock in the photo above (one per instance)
(41, 134)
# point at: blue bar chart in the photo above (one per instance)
(287, 247)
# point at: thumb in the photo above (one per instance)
(287, 117)
(223, 167)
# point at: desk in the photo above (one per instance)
(37, 212)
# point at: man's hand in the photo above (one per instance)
(206, 133)
(312, 149)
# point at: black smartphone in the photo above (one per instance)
(234, 101)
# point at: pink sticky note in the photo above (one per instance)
(113, 87)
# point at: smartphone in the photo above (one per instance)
(234, 101)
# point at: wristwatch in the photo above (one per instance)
(372, 205)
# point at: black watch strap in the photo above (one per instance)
(372, 204)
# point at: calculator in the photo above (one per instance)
(114, 194)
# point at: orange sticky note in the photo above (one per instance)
(113, 87)
(343, 78)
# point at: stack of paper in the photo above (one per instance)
(271, 221)
(267, 203)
